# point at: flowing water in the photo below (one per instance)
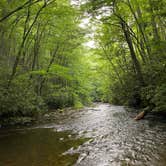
(104, 135)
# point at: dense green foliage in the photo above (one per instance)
(41, 57)
(132, 39)
(44, 62)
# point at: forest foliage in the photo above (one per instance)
(131, 38)
(41, 58)
(45, 64)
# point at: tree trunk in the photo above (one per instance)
(48, 68)
(153, 22)
(141, 28)
(132, 52)
(25, 35)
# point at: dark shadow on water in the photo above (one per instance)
(37, 147)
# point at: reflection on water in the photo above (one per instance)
(116, 140)
(37, 147)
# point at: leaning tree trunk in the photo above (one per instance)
(132, 52)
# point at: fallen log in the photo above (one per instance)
(140, 115)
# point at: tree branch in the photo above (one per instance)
(26, 4)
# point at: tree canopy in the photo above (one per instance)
(44, 62)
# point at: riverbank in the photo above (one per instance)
(53, 115)
(48, 116)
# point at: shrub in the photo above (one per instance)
(19, 101)
(159, 99)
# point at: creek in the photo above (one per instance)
(103, 135)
